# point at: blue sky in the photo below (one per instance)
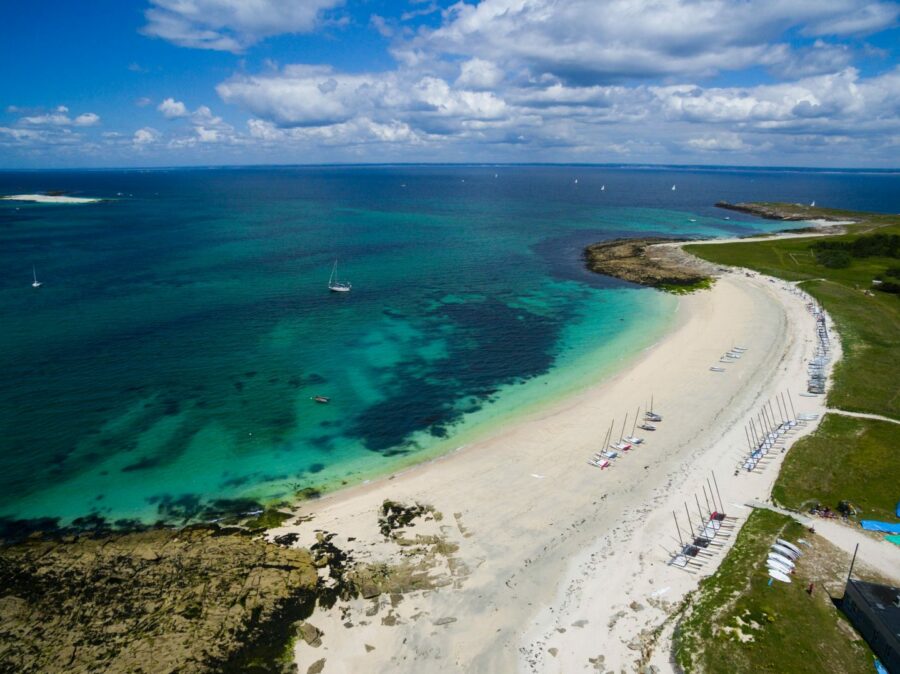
(199, 82)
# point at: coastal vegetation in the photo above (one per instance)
(861, 467)
(865, 380)
(703, 284)
(846, 460)
(739, 620)
(789, 212)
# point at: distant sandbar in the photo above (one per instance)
(51, 199)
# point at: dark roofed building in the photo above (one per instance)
(875, 612)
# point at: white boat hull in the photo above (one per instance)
(777, 575)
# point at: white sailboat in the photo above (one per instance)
(673, 188)
(35, 283)
(602, 188)
(336, 286)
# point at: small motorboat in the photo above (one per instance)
(322, 399)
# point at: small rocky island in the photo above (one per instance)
(787, 212)
(648, 262)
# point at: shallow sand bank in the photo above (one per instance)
(553, 551)
(50, 199)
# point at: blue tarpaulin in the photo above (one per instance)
(897, 511)
(875, 525)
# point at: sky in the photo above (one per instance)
(212, 82)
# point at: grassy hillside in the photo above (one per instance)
(737, 621)
(868, 320)
(846, 459)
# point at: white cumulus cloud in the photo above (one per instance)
(477, 73)
(86, 119)
(231, 25)
(145, 136)
(60, 117)
(172, 109)
(589, 41)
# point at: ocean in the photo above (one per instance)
(166, 368)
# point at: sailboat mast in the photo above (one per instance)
(636, 415)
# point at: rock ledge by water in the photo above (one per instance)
(164, 600)
(645, 262)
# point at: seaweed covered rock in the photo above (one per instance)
(199, 599)
(395, 516)
(632, 260)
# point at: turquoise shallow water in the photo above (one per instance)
(165, 369)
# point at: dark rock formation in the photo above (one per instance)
(631, 260)
(164, 600)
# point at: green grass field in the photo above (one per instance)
(845, 459)
(738, 622)
(866, 380)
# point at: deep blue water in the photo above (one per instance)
(167, 363)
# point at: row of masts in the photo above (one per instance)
(711, 524)
(765, 431)
(610, 448)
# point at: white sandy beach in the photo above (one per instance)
(554, 553)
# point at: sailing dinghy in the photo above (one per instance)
(336, 286)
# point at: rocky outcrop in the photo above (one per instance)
(786, 212)
(197, 599)
(633, 260)
(154, 601)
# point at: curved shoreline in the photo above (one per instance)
(528, 510)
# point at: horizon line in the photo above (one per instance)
(623, 165)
